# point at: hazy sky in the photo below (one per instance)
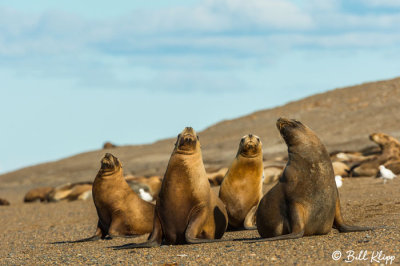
(77, 73)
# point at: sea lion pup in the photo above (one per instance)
(305, 201)
(121, 212)
(241, 189)
(187, 211)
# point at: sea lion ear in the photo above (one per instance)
(198, 137)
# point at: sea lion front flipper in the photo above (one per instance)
(196, 225)
(154, 239)
(250, 220)
(340, 224)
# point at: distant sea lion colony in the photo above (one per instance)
(187, 211)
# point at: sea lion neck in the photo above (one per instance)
(110, 174)
(248, 156)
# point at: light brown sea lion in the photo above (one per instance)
(121, 212)
(70, 192)
(187, 211)
(390, 151)
(241, 189)
(305, 201)
(38, 194)
(4, 202)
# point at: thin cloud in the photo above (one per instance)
(184, 48)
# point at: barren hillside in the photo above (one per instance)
(343, 118)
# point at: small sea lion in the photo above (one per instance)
(390, 151)
(305, 201)
(4, 202)
(121, 211)
(38, 194)
(241, 189)
(187, 211)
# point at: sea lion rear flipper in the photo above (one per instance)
(281, 237)
(154, 239)
(250, 220)
(341, 226)
(298, 216)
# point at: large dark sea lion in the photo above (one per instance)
(187, 211)
(305, 201)
(121, 211)
(241, 189)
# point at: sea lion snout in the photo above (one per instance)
(282, 122)
(109, 161)
(187, 140)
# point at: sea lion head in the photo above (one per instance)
(187, 142)
(110, 164)
(250, 146)
(298, 137)
(382, 139)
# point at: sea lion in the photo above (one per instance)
(187, 211)
(390, 151)
(4, 202)
(38, 194)
(121, 212)
(241, 189)
(70, 192)
(306, 200)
